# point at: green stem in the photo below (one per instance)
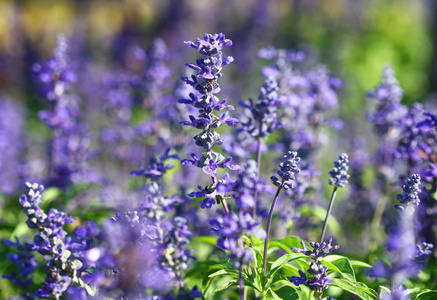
(325, 223)
(269, 223)
(258, 164)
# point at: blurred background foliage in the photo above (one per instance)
(355, 38)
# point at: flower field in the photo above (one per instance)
(253, 150)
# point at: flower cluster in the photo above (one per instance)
(123, 261)
(70, 143)
(157, 166)
(310, 96)
(56, 74)
(231, 226)
(339, 175)
(209, 71)
(263, 120)
(320, 279)
(410, 194)
(63, 265)
(389, 111)
(288, 169)
(405, 258)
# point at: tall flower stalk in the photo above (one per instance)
(205, 83)
(405, 258)
(287, 173)
(262, 120)
(338, 179)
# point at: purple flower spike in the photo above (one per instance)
(288, 170)
(410, 194)
(339, 175)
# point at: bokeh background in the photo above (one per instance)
(353, 38)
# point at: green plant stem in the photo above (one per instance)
(325, 223)
(258, 164)
(241, 280)
(269, 223)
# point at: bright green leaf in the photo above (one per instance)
(358, 264)
(341, 265)
(283, 260)
(212, 240)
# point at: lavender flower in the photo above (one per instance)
(262, 120)
(339, 176)
(209, 70)
(56, 74)
(389, 111)
(157, 166)
(63, 265)
(422, 252)
(124, 259)
(69, 146)
(230, 227)
(410, 194)
(405, 258)
(320, 279)
(429, 123)
(25, 261)
(288, 169)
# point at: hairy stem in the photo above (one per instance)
(325, 223)
(269, 223)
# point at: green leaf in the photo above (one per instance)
(287, 292)
(258, 257)
(247, 240)
(218, 273)
(226, 286)
(50, 194)
(290, 270)
(359, 264)
(212, 240)
(283, 260)
(274, 295)
(385, 289)
(427, 295)
(19, 231)
(352, 288)
(341, 265)
(287, 243)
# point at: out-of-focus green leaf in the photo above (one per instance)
(359, 264)
(320, 213)
(287, 243)
(359, 290)
(212, 240)
(226, 286)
